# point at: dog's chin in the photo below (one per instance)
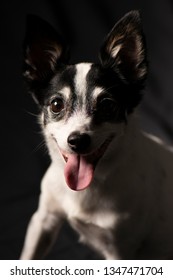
(79, 168)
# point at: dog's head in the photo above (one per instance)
(85, 106)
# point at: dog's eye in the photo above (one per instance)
(107, 106)
(57, 105)
(106, 109)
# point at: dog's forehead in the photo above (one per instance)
(79, 80)
(81, 77)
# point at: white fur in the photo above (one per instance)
(97, 91)
(80, 79)
(61, 130)
(65, 91)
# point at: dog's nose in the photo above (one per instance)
(79, 142)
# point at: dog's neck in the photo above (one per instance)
(128, 140)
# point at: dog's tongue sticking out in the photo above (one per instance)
(78, 172)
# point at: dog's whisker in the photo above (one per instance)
(30, 113)
(41, 145)
(107, 89)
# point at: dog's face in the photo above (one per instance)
(85, 106)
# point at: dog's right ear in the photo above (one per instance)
(124, 49)
(43, 50)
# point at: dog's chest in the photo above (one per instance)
(74, 207)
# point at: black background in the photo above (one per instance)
(24, 158)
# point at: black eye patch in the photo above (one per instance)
(107, 106)
(107, 109)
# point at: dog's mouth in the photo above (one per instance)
(79, 169)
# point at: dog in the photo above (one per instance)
(112, 182)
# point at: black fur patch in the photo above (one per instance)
(126, 96)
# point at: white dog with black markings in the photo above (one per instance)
(113, 183)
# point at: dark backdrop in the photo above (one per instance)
(23, 155)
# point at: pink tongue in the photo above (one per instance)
(78, 172)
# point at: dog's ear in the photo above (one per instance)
(124, 49)
(43, 49)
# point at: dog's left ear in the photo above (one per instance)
(124, 49)
(44, 48)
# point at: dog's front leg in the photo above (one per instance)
(100, 239)
(41, 234)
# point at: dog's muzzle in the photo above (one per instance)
(82, 161)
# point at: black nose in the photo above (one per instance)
(79, 142)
